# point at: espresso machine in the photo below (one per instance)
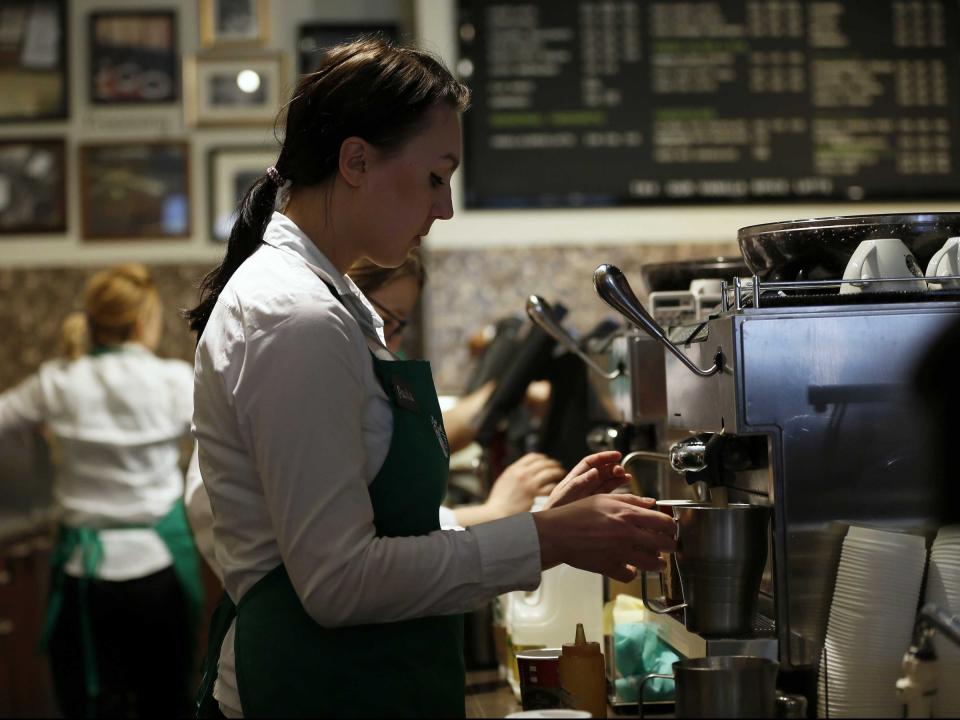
(799, 396)
(620, 415)
(627, 407)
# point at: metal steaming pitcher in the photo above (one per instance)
(721, 552)
(732, 686)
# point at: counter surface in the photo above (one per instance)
(488, 696)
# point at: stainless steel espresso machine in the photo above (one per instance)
(631, 415)
(798, 394)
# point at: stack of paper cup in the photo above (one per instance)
(943, 589)
(871, 623)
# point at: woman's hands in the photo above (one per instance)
(597, 473)
(614, 535)
(581, 524)
(611, 534)
(513, 492)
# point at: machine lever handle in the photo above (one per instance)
(613, 289)
(541, 314)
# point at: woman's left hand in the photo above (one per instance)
(597, 473)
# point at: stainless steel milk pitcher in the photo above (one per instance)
(723, 687)
(721, 552)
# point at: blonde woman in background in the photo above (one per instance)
(125, 586)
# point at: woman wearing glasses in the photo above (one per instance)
(394, 293)
(324, 456)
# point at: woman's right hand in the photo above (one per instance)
(612, 534)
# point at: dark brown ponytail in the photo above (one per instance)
(253, 214)
(368, 88)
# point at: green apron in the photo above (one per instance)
(288, 665)
(175, 534)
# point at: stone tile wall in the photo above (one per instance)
(469, 288)
(34, 302)
(466, 289)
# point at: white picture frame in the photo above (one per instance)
(234, 89)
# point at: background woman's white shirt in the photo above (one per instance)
(117, 419)
(292, 426)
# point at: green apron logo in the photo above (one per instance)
(441, 436)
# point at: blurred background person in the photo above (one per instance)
(394, 292)
(125, 590)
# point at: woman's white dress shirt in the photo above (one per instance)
(292, 426)
(117, 419)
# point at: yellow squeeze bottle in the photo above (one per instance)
(583, 681)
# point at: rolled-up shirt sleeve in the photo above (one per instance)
(300, 402)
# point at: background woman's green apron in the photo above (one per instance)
(175, 534)
(288, 665)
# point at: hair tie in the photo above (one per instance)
(274, 175)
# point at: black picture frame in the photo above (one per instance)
(33, 186)
(33, 60)
(133, 57)
(135, 190)
(313, 39)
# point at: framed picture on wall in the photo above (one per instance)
(33, 186)
(230, 173)
(313, 39)
(33, 60)
(131, 191)
(235, 89)
(133, 57)
(234, 22)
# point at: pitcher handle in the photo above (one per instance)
(655, 606)
(643, 682)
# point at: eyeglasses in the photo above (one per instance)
(392, 324)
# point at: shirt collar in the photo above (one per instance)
(284, 234)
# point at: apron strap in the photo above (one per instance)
(223, 615)
(91, 553)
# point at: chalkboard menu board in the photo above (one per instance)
(621, 102)
(314, 39)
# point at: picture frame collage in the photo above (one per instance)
(141, 190)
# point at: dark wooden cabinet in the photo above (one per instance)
(25, 686)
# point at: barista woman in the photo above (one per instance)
(125, 589)
(394, 292)
(324, 457)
